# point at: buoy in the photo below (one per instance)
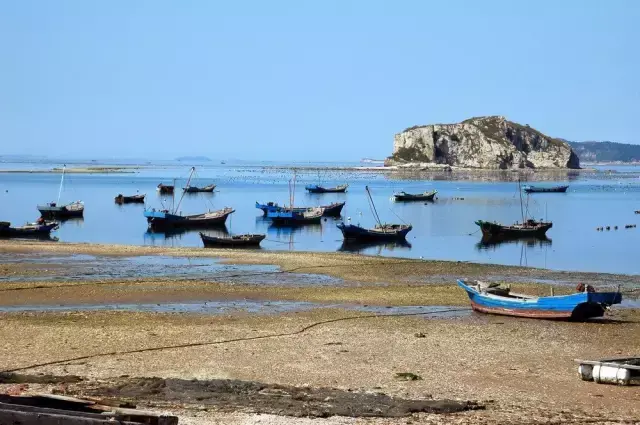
(615, 227)
(608, 228)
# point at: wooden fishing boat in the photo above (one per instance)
(529, 229)
(232, 241)
(381, 232)
(163, 219)
(195, 189)
(314, 188)
(133, 199)
(332, 210)
(493, 298)
(165, 189)
(29, 230)
(296, 218)
(55, 210)
(404, 196)
(536, 189)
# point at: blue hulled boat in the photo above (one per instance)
(496, 299)
(331, 210)
(296, 218)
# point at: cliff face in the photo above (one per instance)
(483, 142)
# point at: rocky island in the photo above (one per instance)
(483, 142)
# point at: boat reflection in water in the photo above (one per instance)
(487, 242)
(169, 237)
(359, 247)
(287, 231)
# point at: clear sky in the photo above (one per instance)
(303, 80)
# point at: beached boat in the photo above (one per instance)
(536, 189)
(55, 210)
(165, 189)
(29, 230)
(133, 199)
(404, 196)
(296, 218)
(195, 189)
(314, 188)
(529, 229)
(232, 241)
(497, 299)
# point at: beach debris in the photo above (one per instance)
(619, 371)
(49, 409)
(420, 335)
(408, 376)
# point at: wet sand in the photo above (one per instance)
(519, 370)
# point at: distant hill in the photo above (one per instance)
(194, 159)
(606, 151)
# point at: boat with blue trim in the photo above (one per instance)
(494, 298)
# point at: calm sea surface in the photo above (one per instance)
(444, 229)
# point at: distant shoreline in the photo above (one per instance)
(78, 170)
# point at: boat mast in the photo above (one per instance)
(375, 212)
(64, 167)
(521, 208)
(193, 169)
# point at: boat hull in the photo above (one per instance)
(557, 189)
(321, 189)
(165, 190)
(579, 306)
(135, 199)
(497, 232)
(356, 233)
(158, 220)
(61, 211)
(243, 241)
(290, 219)
(206, 189)
(331, 210)
(408, 197)
(29, 231)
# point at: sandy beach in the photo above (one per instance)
(493, 369)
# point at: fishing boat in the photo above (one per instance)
(232, 241)
(536, 189)
(30, 230)
(169, 219)
(332, 210)
(165, 189)
(381, 232)
(55, 210)
(163, 219)
(529, 228)
(296, 218)
(314, 188)
(195, 189)
(404, 196)
(133, 199)
(493, 298)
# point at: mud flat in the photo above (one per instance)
(296, 349)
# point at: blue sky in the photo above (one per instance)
(302, 80)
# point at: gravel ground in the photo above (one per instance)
(521, 370)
